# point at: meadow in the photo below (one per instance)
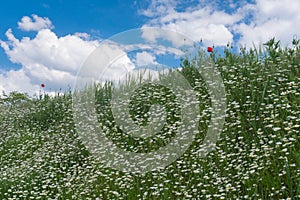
(257, 155)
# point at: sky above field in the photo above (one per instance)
(44, 41)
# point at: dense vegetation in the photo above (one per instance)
(257, 156)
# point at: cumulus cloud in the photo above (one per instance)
(107, 63)
(270, 18)
(47, 49)
(145, 58)
(158, 7)
(53, 60)
(197, 22)
(35, 23)
(47, 58)
(217, 22)
(17, 81)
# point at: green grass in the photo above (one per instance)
(257, 155)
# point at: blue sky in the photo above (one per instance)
(75, 16)
(33, 33)
(70, 16)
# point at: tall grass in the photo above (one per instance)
(257, 156)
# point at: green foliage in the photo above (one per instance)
(14, 98)
(257, 156)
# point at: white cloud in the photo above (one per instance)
(178, 39)
(197, 23)
(271, 18)
(107, 63)
(46, 49)
(158, 7)
(17, 81)
(47, 58)
(214, 24)
(145, 58)
(35, 23)
(52, 60)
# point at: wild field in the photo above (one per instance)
(257, 155)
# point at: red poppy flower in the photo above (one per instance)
(42, 85)
(210, 49)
